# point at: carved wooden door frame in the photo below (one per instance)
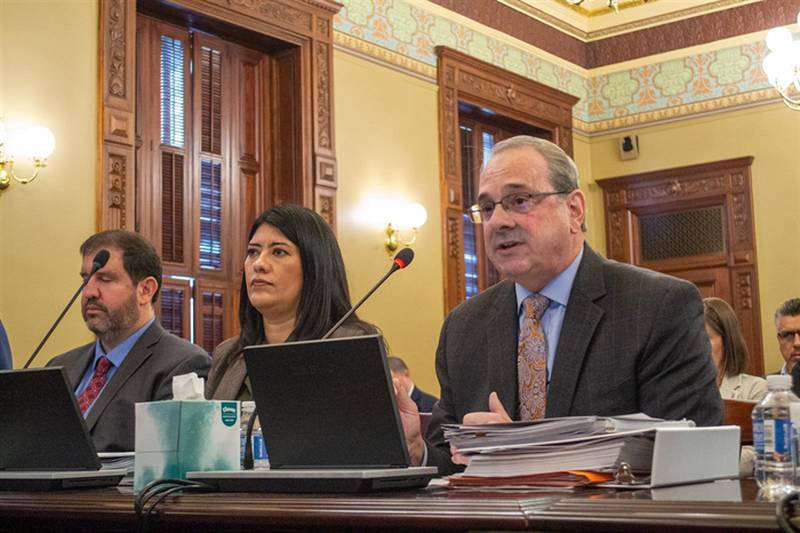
(464, 78)
(305, 23)
(726, 183)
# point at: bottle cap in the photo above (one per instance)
(779, 381)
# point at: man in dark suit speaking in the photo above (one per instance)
(133, 359)
(567, 332)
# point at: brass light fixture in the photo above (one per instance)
(35, 142)
(782, 64)
(408, 217)
(398, 219)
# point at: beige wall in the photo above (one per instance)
(47, 76)
(387, 144)
(386, 135)
(769, 133)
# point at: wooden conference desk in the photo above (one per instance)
(430, 509)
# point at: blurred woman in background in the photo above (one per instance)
(729, 353)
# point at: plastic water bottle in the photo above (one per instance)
(247, 410)
(260, 459)
(772, 437)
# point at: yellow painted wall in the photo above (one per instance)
(769, 133)
(48, 76)
(387, 144)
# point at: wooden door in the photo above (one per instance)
(695, 223)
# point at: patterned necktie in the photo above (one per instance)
(532, 360)
(92, 390)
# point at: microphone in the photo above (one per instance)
(400, 261)
(99, 261)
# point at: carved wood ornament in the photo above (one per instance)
(463, 78)
(305, 24)
(726, 269)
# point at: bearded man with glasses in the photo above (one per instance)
(567, 332)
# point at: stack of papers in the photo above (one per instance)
(119, 460)
(549, 446)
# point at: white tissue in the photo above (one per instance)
(188, 387)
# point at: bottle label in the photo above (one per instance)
(777, 436)
(758, 436)
(259, 448)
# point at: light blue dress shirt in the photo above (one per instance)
(557, 291)
(116, 356)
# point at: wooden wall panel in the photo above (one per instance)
(464, 78)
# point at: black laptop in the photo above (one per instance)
(45, 442)
(329, 419)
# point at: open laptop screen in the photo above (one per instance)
(327, 404)
(40, 425)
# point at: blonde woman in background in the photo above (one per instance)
(729, 353)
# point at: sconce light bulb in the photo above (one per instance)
(416, 215)
(41, 142)
(779, 38)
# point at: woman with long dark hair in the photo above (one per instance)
(293, 288)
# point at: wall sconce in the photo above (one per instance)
(35, 142)
(407, 217)
(399, 220)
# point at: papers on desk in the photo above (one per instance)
(119, 460)
(557, 452)
(483, 438)
(595, 453)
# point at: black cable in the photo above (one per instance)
(153, 487)
(784, 512)
(198, 487)
(159, 489)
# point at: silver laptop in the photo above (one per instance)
(329, 419)
(46, 444)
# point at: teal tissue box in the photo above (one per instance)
(178, 436)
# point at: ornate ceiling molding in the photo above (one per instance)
(552, 36)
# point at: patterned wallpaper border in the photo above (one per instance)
(402, 34)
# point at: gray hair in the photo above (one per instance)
(790, 307)
(563, 174)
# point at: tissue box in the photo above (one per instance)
(178, 436)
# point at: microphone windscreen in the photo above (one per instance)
(404, 257)
(100, 260)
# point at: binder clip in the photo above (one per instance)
(625, 476)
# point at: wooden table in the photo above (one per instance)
(724, 506)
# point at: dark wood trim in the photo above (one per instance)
(725, 506)
(306, 24)
(725, 183)
(464, 78)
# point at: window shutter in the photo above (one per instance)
(210, 215)
(212, 308)
(172, 180)
(211, 100)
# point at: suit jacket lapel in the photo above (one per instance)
(139, 353)
(75, 372)
(580, 322)
(501, 338)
